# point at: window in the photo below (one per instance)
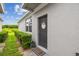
(29, 25)
(26, 28)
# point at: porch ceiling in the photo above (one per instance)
(1, 8)
(30, 6)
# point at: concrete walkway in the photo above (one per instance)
(2, 46)
(29, 53)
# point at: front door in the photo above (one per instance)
(42, 31)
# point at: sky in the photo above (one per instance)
(12, 13)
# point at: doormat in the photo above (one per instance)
(38, 51)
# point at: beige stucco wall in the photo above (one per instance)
(63, 28)
(0, 26)
(21, 26)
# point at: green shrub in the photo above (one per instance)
(18, 34)
(24, 38)
(3, 36)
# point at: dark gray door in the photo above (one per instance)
(42, 31)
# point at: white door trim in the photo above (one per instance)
(45, 50)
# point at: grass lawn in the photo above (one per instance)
(9, 29)
(11, 48)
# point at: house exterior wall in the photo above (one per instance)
(21, 26)
(35, 24)
(0, 26)
(63, 28)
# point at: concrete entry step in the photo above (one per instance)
(38, 51)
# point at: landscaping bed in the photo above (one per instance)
(14, 40)
(11, 48)
(24, 38)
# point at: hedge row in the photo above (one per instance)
(24, 38)
(3, 36)
(10, 26)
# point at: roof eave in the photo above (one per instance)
(23, 17)
(2, 8)
(35, 10)
(30, 6)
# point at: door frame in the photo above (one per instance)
(44, 49)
